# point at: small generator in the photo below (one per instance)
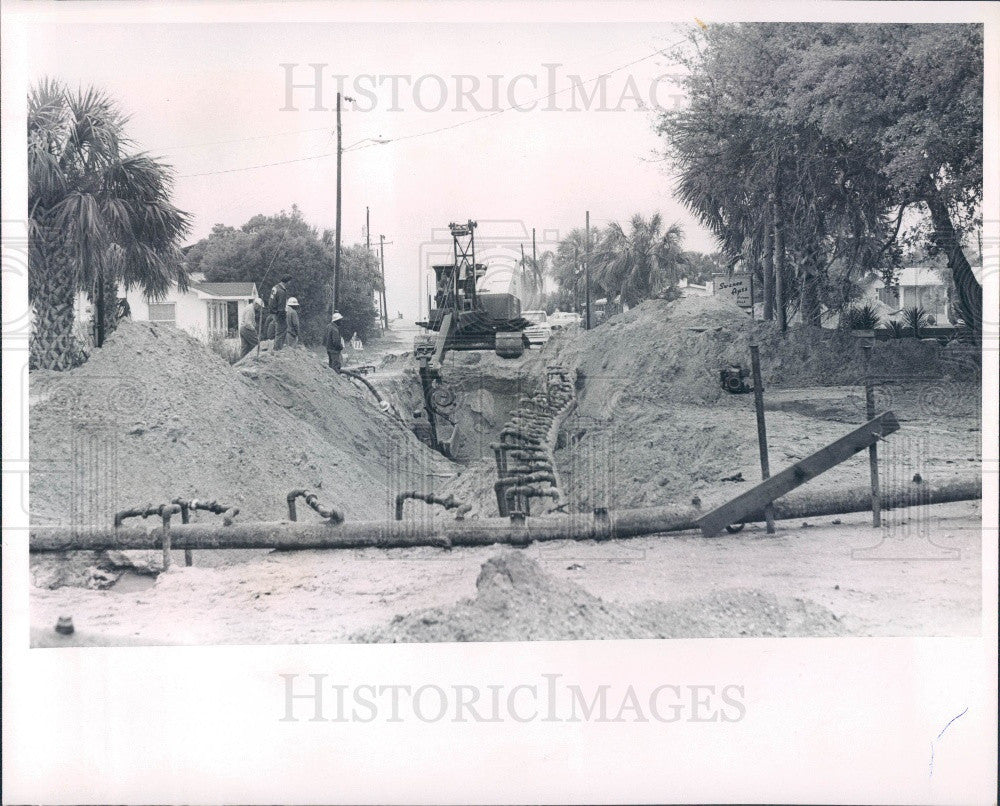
(734, 380)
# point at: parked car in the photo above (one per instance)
(540, 330)
(564, 319)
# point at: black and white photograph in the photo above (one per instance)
(504, 329)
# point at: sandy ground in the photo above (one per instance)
(918, 576)
(652, 427)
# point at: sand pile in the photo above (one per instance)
(653, 424)
(516, 601)
(156, 414)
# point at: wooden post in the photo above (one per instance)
(873, 448)
(758, 399)
(586, 258)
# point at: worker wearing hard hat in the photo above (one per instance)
(278, 305)
(249, 321)
(333, 342)
(292, 322)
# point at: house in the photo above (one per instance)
(919, 286)
(206, 310)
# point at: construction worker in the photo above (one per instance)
(333, 342)
(277, 305)
(292, 322)
(249, 337)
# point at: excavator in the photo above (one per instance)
(461, 316)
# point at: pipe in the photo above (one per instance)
(486, 531)
(431, 498)
(382, 403)
(334, 516)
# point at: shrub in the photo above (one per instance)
(915, 319)
(896, 328)
(225, 349)
(864, 317)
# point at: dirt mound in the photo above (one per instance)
(676, 349)
(516, 601)
(653, 424)
(156, 414)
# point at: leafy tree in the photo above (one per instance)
(700, 268)
(99, 215)
(267, 247)
(567, 265)
(803, 146)
(641, 261)
(914, 94)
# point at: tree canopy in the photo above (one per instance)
(266, 248)
(804, 145)
(100, 215)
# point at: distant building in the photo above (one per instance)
(206, 310)
(917, 287)
(689, 289)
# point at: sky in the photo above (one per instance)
(213, 100)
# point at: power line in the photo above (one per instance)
(519, 106)
(240, 139)
(363, 144)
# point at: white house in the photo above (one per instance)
(918, 287)
(206, 310)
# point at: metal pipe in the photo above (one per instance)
(486, 531)
(448, 502)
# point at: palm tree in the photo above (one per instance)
(641, 262)
(533, 271)
(567, 264)
(99, 216)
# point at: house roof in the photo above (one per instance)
(226, 290)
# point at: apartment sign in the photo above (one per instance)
(736, 285)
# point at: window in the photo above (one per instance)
(910, 297)
(216, 317)
(232, 318)
(164, 312)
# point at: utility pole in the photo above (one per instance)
(523, 262)
(368, 229)
(336, 257)
(586, 259)
(534, 267)
(385, 303)
(576, 278)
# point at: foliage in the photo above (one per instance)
(810, 142)
(864, 317)
(896, 328)
(567, 265)
(266, 248)
(533, 272)
(640, 262)
(700, 268)
(99, 213)
(915, 319)
(225, 348)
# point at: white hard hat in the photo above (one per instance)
(258, 302)
(336, 316)
(292, 302)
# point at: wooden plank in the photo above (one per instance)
(756, 498)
